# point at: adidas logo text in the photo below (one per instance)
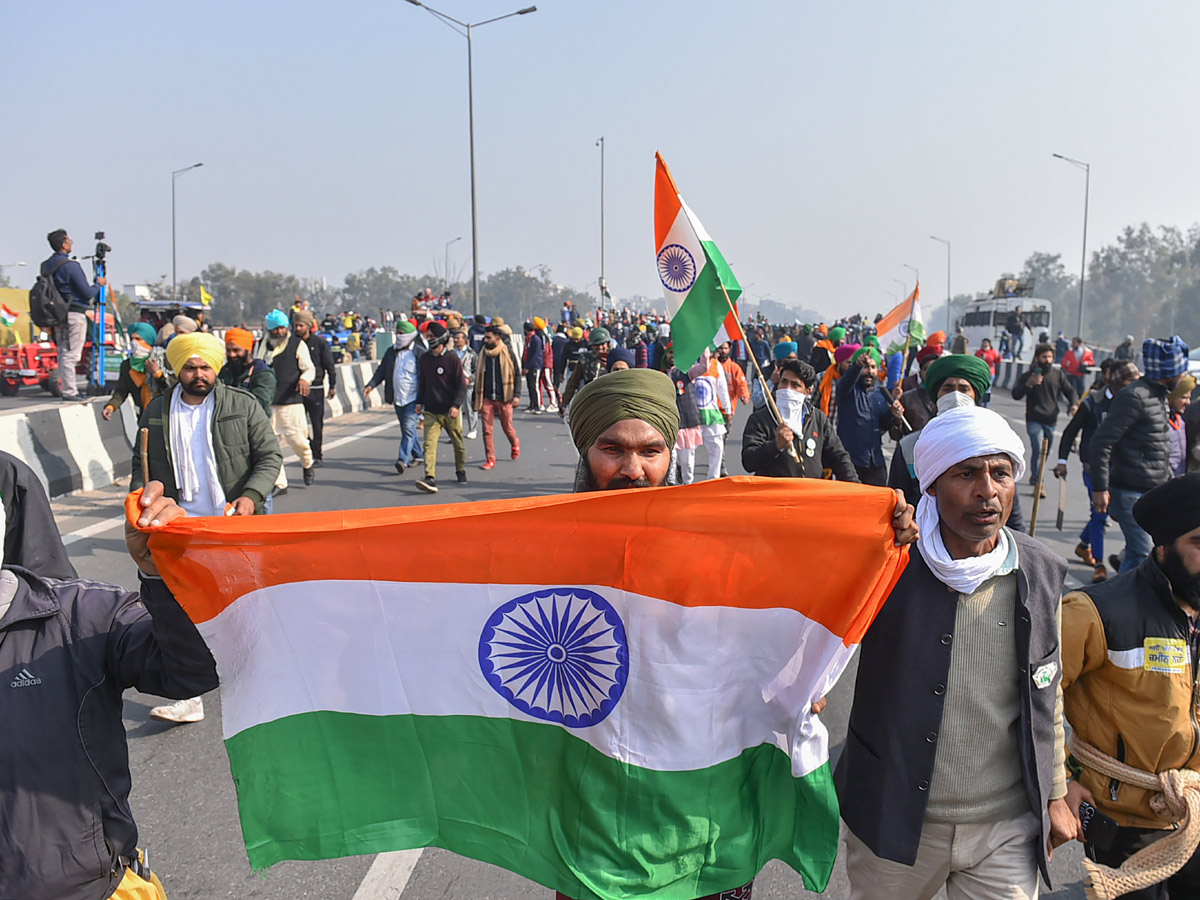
(25, 678)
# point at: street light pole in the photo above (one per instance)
(446, 271)
(916, 271)
(10, 265)
(451, 21)
(603, 280)
(1087, 191)
(947, 243)
(903, 287)
(174, 277)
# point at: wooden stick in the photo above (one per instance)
(144, 450)
(762, 380)
(1037, 490)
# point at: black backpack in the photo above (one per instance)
(47, 307)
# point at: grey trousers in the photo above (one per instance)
(71, 338)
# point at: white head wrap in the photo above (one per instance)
(947, 440)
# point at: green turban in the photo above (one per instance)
(629, 394)
(959, 365)
(866, 351)
(145, 331)
(837, 334)
(871, 341)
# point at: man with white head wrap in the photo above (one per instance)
(953, 771)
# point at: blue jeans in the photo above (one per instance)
(1137, 542)
(1037, 431)
(1016, 343)
(1093, 531)
(409, 447)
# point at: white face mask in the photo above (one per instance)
(791, 406)
(140, 351)
(954, 400)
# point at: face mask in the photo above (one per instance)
(954, 400)
(140, 350)
(791, 406)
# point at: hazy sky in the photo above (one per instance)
(820, 143)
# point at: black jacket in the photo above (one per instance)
(322, 359)
(818, 447)
(1092, 410)
(387, 368)
(441, 383)
(1041, 402)
(73, 647)
(31, 538)
(883, 775)
(1132, 447)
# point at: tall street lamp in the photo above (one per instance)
(446, 271)
(1087, 189)
(916, 271)
(903, 287)
(947, 243)
(174, 277)
(603, 280)
(10, 265)
(451, 21)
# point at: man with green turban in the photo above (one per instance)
(951, 381)
(624, 426)
(140, 376)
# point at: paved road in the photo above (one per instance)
(183, 797)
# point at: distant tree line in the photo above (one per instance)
(240, 295)
(1146, 283)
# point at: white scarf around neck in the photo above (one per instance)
(183, 425)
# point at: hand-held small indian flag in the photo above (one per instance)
(902, 326)
(8, 317)
(636, 724)
(694, 275)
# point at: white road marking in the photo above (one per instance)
(388, 875)
(119, 521)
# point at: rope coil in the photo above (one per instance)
(1176, 800)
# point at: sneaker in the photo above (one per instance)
(1099, 574)
(1084, 552)
(417, 462)
(428, 484)
(318, 463)
(535, 412)
(180, 712)
(462, 476)
(490, 464)
(472, 434)
(516, 452)
(309, 475)
(1115, 562)
(399, 467)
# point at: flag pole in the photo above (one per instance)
(766, 388)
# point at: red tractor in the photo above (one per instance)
(28, 365)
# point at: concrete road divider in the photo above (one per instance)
(72, 448)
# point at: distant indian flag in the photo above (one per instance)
(8, 317)
(902, 326)
(692, 271)
(634, 725)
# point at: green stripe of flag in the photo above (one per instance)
(530, 798)
(695, 325)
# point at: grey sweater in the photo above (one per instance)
(977, 768)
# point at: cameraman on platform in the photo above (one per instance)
(1040, 388)
(73, 286)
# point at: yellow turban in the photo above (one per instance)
(207, 346)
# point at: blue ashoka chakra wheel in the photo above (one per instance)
(704, 393)
(558, 654)
(676, 268)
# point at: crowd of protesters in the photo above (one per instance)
(984, 732)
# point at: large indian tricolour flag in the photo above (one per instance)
(606, 693)
(902, 326)
(694, 275)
